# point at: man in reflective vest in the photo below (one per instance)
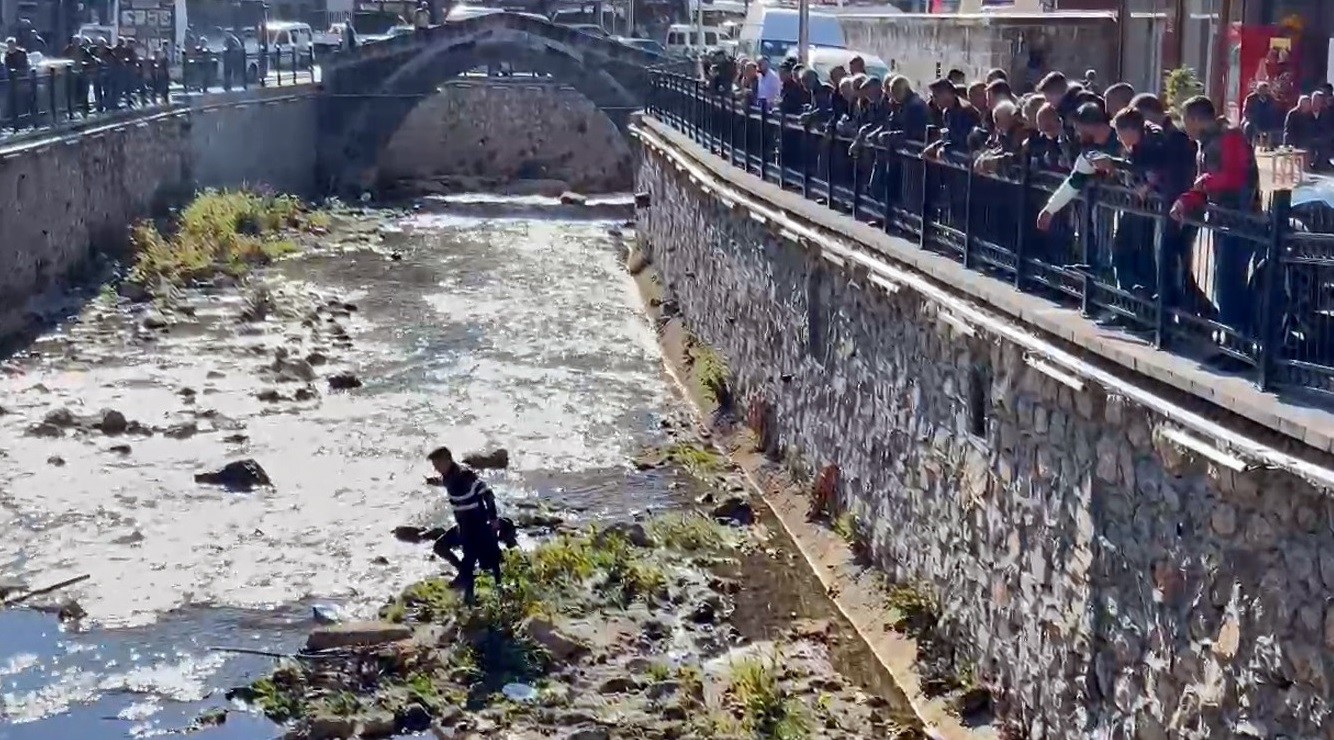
(474, 509)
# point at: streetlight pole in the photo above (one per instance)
(1222, 45)
(699, 24)
(803, 30)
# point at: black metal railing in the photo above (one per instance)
(1245, 291)
(58, 92)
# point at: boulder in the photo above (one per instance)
(62, 417)
(632, 532)
(562, 646)
(330, 727)
(571, 198)
(45, 429)
(112, 422)
(120, 449)
(734, 510)
(293, 370)
(619, 685)
(537, 520)
(155, 321)
(589, 733)
(497, 459)
(344, 381)
(183, 430)
(356, 634)
(133, 291)
(55, 460)
(239, 475)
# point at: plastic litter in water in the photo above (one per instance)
(520, 692)
(326, 614)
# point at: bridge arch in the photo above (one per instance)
(370, 93)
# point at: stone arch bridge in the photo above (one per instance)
(368, 92)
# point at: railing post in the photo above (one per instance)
(1272, 311)
(1086, 247)
(51, 96)
(922, 234)
(830, 140)
(969, 184)
(745, 134)
(731, 130)
(889, 166)
(1021, 230)
(764, 137)
(1163, 262)
(855, 163)
(782, 147)
(806, 159)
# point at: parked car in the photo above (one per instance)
(642, 44)
(823, 59)
(591, 29)
(290, 42)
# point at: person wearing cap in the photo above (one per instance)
(956, 118)
(1100, 147)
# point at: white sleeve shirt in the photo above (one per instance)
(770, 87)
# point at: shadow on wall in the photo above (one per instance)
(494, 133)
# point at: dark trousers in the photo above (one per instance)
(480, 548)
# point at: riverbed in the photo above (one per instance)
(466, 330)
(469, 321)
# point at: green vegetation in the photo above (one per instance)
(659, 672)
(219, 232)
(711, 373)
(689, 532)
(913, 608)
(766, 710)
(845, 526)
(699, 461)
(1180, 85)
(279, 696)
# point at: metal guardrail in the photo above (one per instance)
(1208, 286)
(59, 93)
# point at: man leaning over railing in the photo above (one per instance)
(1229, 177)
(956, 118)
(1163, 166)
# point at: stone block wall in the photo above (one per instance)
(924, 47)
(63, 197)
(1103, 581)
(506, 130)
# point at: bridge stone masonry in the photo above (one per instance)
(1114, 557)
(370, 91)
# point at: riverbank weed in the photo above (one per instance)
(219, 232)
(699, 461)
(767, 710)
(711, 374)
(689, 532)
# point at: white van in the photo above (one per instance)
(682, 37)
(823, 60)
(773, 32)
(288, 36)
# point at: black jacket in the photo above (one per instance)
(469, 497)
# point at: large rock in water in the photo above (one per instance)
(562, 646)
(240, 475)
(497, 459)
(735, 511)
(356, 634)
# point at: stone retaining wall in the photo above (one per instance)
(1101, 579)
(506, 130)
(70, 194)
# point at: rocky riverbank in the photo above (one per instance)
(624, 630)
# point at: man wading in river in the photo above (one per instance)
(475, 513)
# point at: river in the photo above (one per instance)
(517, 331)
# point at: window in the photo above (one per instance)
(710, 38)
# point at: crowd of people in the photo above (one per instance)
(99, 76)
(1183, 159)
(1307, 126)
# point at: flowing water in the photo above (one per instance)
(515, 331)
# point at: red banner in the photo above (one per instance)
(1265, 54)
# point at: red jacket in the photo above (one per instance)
(1228, 174)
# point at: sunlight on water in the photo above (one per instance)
(518, 333)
